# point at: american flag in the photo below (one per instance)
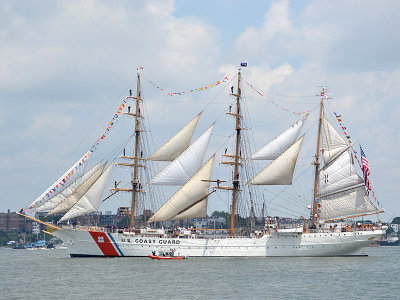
(365, 169)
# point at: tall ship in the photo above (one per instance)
(339, 193)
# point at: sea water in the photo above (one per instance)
(52, 274)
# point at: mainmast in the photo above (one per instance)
(316, 162)
(136, 153)
(235, 180)
(136, 187)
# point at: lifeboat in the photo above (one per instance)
(165, 255)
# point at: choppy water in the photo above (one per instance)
(52, 274)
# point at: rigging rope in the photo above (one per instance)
(273, 102)
(339, 119)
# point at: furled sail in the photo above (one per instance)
(190, 200)
(274, 148)
(185, 165)
(338, 175)
(346, 203)
(280, 171)
(177, 144)
(72, 199)
(331, 142)
(91, 200)
(53, 202)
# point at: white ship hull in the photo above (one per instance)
(96, 243)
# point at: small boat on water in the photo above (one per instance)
(165, 255)
(389, 241)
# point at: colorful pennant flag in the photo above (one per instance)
(67, 175)
(190, 91)
(339, 119)
(364, 162)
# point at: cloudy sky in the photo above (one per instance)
(65, 66)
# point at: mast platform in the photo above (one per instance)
(126, 190)
(130, 165)
(132, 157)
(230, 163)
(133, 115)
(231, 156)
(235, 115)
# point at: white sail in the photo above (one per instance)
(177, 144)
(331, 142)
(338, 175)
(91, 200)
(188, 200)
(274, 148)
(63, 182)
(280, 171)
(198, 210)
(70, 201)
(346, 203)
(185, 165)
(53, 202)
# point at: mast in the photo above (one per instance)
(235, 180)
(135, 157)
(316, 162)
(136, 152)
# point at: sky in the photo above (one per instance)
(65, 67)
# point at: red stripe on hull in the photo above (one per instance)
(104, 243)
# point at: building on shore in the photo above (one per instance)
(12, 222)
